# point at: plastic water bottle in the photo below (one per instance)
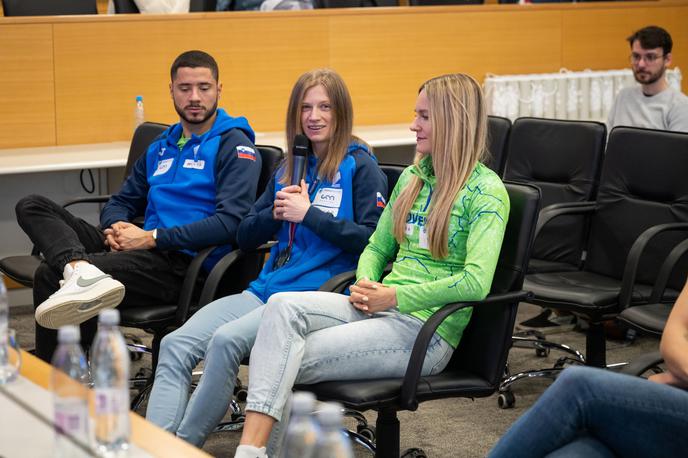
(5, 373)
(69, 382)
(111, 383)
(332, 442)
(302, 432)
(139, 115)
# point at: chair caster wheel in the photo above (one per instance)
(542, 352)
(367, 431)
(414, 453)
(241, 395)
(506, 400)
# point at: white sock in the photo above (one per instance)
(249, 451)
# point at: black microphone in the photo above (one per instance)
(302, 147)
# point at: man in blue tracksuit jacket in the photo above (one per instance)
(194, 185)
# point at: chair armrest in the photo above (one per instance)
(215, 276)
(189, 284)
(665, 271)
(633, 259)
(556, 210)
(642, 363)
(409, 386)
(87, 200)
(339, 282)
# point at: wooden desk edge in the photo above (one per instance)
(145, 435)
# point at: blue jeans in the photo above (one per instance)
(222, 333)
(594, 409)
(316, 336)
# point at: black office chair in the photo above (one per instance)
(22, 268)
(353, 3)
(564, 159)
(126, 7)
(478, 363)
(498, 131)
(640, 216)
(48, 7)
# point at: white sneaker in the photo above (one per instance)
(85, 291)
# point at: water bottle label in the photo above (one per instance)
(71, 416)
(111, 401)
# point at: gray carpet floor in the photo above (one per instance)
(442, 428)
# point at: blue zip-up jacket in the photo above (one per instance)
(333, 233)
(195, 197)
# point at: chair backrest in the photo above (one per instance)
(644, 183)
(393, 171)
(490, 329)
(270, 156)
(562, 158)
(48, 7)
(353, 3)
(143, 137)
(126, 7)
(498, 129)
(202, 5)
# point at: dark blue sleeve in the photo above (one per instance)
(236, 180)
(352, 236)
(130, 201)
(259, 226)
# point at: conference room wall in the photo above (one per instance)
(74, 79)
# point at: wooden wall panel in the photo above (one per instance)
(259, 61)
(385, 59)
(596, 39)
(27, 104)
(102, 62)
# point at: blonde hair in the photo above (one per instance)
(459, 128)
(341, 124)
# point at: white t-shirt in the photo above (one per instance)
(667, 110)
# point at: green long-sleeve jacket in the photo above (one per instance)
(476, 230)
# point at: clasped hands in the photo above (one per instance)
(124, 236)
(291, 203)
(372, 297)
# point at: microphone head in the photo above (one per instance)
(302, 145)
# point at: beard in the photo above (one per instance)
(208, 113)
(646, 77)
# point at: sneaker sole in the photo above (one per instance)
(63, 310)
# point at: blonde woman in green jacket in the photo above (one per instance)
(443, 228)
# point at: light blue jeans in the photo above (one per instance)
(222, 333)
(316, 336)
(597, 413)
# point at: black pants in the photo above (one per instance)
(149, 276)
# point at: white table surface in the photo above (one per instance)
(26, 412)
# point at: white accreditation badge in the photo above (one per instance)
(328, 200)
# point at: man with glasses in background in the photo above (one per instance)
(654, 104)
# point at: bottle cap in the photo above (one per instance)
(330, 414)
(139, 98)
(68, 334)
(302, 402)
(109, 317)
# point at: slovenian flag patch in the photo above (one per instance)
(245, 152)
(381, 201)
